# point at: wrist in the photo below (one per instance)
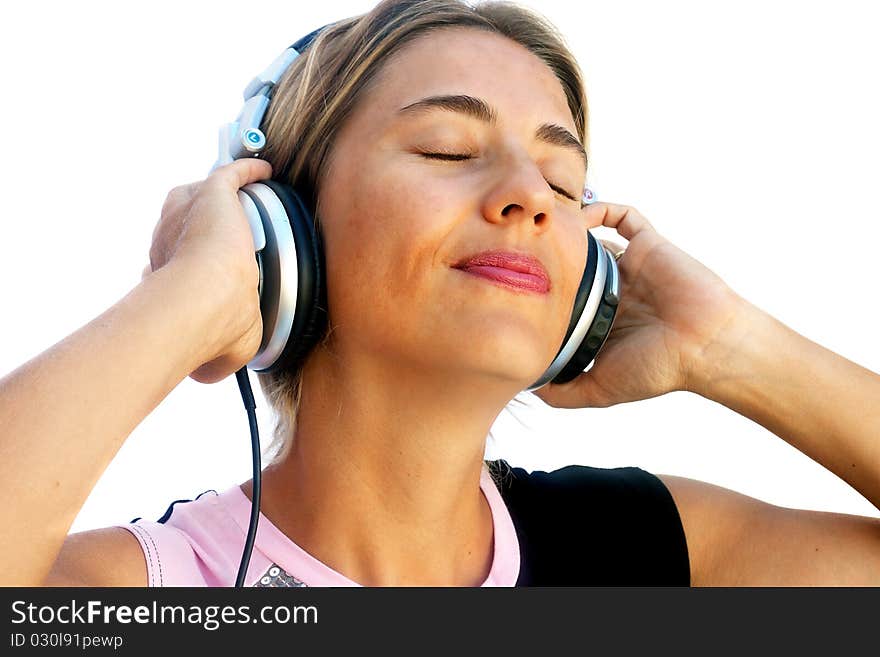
(214, 303)
(745, 340)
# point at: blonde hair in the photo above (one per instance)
(321, 88)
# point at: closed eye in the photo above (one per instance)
(457, 157)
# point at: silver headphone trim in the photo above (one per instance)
(280, 274)
(584, 322)
(254, 221)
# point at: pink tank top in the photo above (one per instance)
(201, 545)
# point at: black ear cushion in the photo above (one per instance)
(310, 315)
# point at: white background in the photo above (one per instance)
(746, 132)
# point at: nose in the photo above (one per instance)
(520, 193)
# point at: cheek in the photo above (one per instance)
(574, 253)
(573, 256)
(388, 240)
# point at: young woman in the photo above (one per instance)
(423, 133)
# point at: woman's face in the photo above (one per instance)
(395, 222)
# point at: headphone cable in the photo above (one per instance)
(247, 396)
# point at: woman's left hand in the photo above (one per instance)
(672, 309)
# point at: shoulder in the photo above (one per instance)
(712, 517)
(110, 556)
(738, 540)
(168, 552)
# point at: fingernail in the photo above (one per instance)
(588, 197)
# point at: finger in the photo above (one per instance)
(179, 197)
(239, 173)
(613, 247)
(188, 191)
(627, 221)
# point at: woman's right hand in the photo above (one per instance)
(204, 232)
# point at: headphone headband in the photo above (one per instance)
(243, 137)
(304, 42)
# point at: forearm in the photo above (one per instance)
(817, 401)
(65, 413)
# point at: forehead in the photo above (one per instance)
(465, 60)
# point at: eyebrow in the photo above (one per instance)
(478, 108)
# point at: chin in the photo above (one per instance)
(520, 369)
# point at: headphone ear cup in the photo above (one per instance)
(600, 318)
(310, 319)
(309, 312)
(595, 305)
(575, 325)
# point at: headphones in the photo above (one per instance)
(290, 255)
(292, 289)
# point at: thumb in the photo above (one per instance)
(239, 173)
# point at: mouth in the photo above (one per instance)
(515, 271)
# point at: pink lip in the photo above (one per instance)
(517, 270)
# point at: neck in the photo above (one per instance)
(382, 479)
